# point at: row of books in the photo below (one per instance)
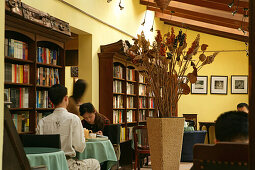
(142, 89)
(130, 102)
(142, 115)
(21, 121)
(41, 115)
(47, 56)
(42, 100)
(117, 86)
(142, 102)
(117, 116)
(118, 101)
(130, 116)
(47, 76)
(151, 113)
(16, 49)
(130, 73)
(118, 71)
(151, 103)
(130, 88)
(16, 73)
(130, 132)
(122, 134)
(18, 97)
(141, 78)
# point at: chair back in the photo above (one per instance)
(140, 136)
(190, 138)
(32, 140)
(113, 133)
(223, 155)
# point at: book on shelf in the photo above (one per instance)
(151, 113)
(130, 102)
(47, 76)
(129, 115)
(122, 134)
(151, 103)
(118, 71)
(18, 96)
(47, 56)
(15, 48)
(41, 115)
(142, 89)
(42, 100)
(130, 74)
(142, 102)
(15, 73)
(117, 86)
(117, 116)
(142, 115)
(141, 78)
(130, 88)
(118, 101)
(130, 132)
(21, 121)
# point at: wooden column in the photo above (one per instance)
(252, 85)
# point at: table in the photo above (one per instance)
(53, 158)
(101, 150)
(207, 125)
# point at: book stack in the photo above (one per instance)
(117, 116)
(142, 115)
(151, 103)
(16, 49)
(130, 74)
(142, 89)
(122, 134)
(118, 101)
(21, 121)
(42, 100)
(130, 88)
(118, 72)
(47, 76)
(16, 73)
(130, 102)
(142, 102)
(130, 133)
(151, 113)
(117, 86)
(18, 97)
(47, 56)
(129, 115)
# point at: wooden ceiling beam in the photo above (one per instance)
(203, 27)
(242, 3)
(203, 18)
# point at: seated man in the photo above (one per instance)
(232, 126)
(243, 107)
(69, 127)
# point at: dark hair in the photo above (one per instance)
(79, 89)
(89, 108)
(57, 93)
(240, 105)
(86, 108)
(232, 125)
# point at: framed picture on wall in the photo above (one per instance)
(219, 84)
(200, 87)
(239, 84)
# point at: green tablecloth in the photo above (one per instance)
(53, 158)
(99, 150)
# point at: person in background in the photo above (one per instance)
(92, 119)
(79, 89)
(69, 127)
(232, 126)
(243, 107)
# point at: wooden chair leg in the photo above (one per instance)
(136, 159)
(139, 162)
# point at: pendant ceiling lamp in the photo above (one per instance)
(162, 4)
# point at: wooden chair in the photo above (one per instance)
(221, 156)
(141, 144)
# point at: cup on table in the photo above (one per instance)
(86, 133)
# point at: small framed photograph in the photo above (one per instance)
(239, 84)
(200, 87)
(219, 84)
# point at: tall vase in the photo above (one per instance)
(165, 140)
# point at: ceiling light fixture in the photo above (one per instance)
(230, 5)
(109, 1)
(121, 7)
(144, 18)
(234, 12)
(152, 24)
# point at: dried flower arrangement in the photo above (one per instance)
(164, 66)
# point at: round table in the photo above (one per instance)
(101, 150)
(52, 158)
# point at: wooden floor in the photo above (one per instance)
(183, 166)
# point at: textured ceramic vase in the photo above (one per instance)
(165, 140)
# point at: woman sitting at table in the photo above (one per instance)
(92, 119)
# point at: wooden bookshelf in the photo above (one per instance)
(118, 77)
(23, 38)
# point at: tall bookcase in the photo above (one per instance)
(123, 94)
(34, 60)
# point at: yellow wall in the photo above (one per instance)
(1, 77)
(93, 33)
